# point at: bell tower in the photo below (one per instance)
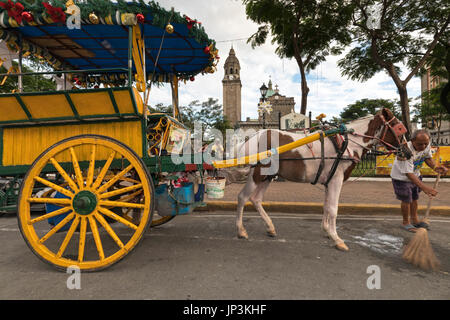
(232, 89)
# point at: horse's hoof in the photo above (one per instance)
(271, 233)
(243, 235)
(342, 246)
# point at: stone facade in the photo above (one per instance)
(429, 82)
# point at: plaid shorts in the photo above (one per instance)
(406, 191)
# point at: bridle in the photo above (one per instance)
(398, 130)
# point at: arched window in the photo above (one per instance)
(231, 70)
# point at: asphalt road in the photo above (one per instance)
(199, 257)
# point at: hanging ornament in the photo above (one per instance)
(93, 18)
(28, 17)
(140, 18)
(207, 50)
(169, 28)
(192, 78)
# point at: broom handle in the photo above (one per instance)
(430, 199)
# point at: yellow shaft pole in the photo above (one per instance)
(268, 153)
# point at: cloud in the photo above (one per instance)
(225, 22)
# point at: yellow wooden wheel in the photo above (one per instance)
(88, 232)
(159, 220)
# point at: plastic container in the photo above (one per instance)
(57, 219)
(183, 203)
(215, 187)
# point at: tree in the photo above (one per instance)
(302, 29)
(365, 107)
(208, 113)
(30, 83)
(407, 33)
(430, 110)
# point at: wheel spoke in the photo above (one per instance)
(90, 176)
(76, 166)
(50, 215)
(109, 230)
(120, 191)
(116, 217)
(82, 241)
(69, 236)
(57, 201)
(131, 196)
(57, 227)
(54, 186)
(64, 174)
(104, 170)
(121, 204)
(95, 233)
(114, 179)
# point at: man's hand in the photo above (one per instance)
(441, 169)
(429, 191)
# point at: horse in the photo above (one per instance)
(303, 164)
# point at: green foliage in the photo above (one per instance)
(430, 107)
(208, 113)
(309, 29)
(407, 29)
(365, 107)
(30, 83)
(305, 30)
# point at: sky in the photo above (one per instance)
(225, 22)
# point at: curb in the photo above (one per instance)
(316, 207)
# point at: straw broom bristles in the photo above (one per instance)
(419, 252)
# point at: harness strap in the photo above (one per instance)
(322, 159)
(338, 158)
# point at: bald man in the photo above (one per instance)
(407, 181)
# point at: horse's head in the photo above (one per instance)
(390, 132)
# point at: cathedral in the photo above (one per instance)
(280, 113)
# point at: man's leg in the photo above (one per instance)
(413, 212)
(406, 209)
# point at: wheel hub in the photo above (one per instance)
(84, 202)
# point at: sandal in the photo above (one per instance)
(409, 227)
(421, 224)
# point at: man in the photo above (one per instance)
(407, 180)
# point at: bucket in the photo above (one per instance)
(215, 187)
(53, 221)
(180, 201)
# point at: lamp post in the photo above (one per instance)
(263, 91)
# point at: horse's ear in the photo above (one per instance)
(387, 113)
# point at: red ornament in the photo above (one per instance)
(140, 18)
(190, 22)
(78, 82)
(56, 13)
(14, 10)
(206, 50)
(192, 78)
(28, 17)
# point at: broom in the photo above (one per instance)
(418, 251)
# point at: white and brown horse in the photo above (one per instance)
(294, 165)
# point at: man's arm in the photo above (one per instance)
(432, 164)
(428, 190)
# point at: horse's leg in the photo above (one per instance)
(243, 197)
(331, 209)
(256, 198)
(325, 218)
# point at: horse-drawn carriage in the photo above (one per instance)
(90, 155)
(87, 167)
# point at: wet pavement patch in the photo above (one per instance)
(380, 242)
